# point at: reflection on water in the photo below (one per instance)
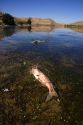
(78, 29)
(42, 29)
(6, 31)
(22, 99)
(36, 29)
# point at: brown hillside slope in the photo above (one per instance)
(78, 23)
(36, 21)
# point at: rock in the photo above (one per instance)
(39, 41)
(24, 63)
(6, 90)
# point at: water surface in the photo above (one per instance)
(61, 59)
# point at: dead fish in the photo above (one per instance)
(44, 80)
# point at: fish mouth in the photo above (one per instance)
(34, 66)
(32, 69)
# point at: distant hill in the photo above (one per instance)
(34, 21)
(38, 21)
(78, 23)
(75, 25)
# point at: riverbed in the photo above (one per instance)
(22, 98)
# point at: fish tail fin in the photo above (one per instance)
(51, 95)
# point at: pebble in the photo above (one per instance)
(6, 90)
(69, 117)
(67, 121)
(61, 118)
(24, 63)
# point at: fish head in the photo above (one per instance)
(32, 69)
(35, 72)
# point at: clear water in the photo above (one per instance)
(61, 59)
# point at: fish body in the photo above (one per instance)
(44, 80)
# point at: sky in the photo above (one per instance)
(62, 11)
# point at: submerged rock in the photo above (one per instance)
(39, 41)
(6, 90)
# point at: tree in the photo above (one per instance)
(29, 21)
(8, 19)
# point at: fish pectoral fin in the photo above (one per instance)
(51, 95)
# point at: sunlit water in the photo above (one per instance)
(61, 59)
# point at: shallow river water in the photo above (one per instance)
(22, 98)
